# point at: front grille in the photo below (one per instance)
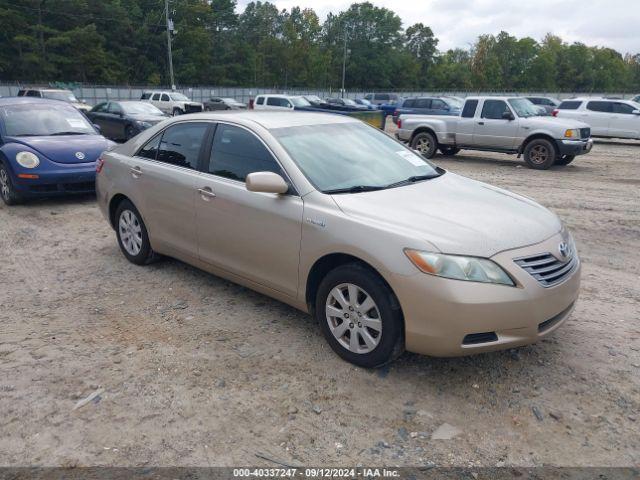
(546, 268)
(192, 108)
(585, 132)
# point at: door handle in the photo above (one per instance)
(480, 123)
(136, 172)
(206, 193)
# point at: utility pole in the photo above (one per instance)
(344, 59)
(169, 30)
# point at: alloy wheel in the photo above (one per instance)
(354, 318)
(423, 145)
(130, 232)
(5, 188)
(539, 154)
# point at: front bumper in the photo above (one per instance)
(441, 315)
(574, 147)
(63, 180)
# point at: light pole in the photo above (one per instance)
(344, 59)
(169, 30)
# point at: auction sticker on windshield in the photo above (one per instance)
(411, 158)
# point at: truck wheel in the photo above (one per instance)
(425, 143)
(540, 154)
(176, 112)
(565, 159)
(449, 151)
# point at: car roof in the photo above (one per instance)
(27, 100)
(595, 99)
(270, 119)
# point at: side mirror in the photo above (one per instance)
(97, 127)
(508, 116)
(266, 182)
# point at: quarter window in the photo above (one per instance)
(180, 144)
(237, 152)
(469, 109)
(493, 109)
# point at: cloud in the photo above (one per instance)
(458, 23)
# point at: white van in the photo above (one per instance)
(273, 101)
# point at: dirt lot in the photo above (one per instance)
(199, 371)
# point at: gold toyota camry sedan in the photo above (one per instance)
(323, 212)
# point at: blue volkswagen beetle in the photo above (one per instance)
(47, 147)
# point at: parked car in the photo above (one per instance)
(547, 104)
(314, 100)
(387, 251)
(273, 101)
(345, 103)
(498, 124)
(382, 98)
(54, 94)
(366, 103)
(47, 147)
(427, 106)
(223, 103)
(636, 99)
(172, 103)
(607, 118)
(124, 119)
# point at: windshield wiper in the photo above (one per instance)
(355, 189)
(414, 179)
(68, 133)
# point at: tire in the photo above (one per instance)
(449, 151)
(176, 112)
(425, 143)
(372, 345)
(129, 133)
(7, 190)
(132, 235)
(540, 154)
(564, 159)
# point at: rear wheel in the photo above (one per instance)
(449, 151)
(359, 316)
(425, 143)
(564, 159)
(132, 234)
(7, 190)
(540, 154)
(176, 112)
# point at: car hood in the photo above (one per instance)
(148, 118)
(67, 148)
(455, 214)
(541, 122)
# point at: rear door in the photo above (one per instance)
(253, 235)
(493, 131)
(624, 123)
(467, 123)
(155, 100)
(598, 115)
(166, 174)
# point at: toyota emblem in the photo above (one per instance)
(80, 155)
(565, 250)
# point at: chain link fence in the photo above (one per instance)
(94, 94)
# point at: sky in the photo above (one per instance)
(457, 23)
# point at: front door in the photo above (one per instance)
(598, 115)
(624, 123)
(253, 235)
(492, 130)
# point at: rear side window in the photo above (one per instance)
(181, 144)
(469, 109)
(21, 93)
(156, 96)
(236, 153)
(410, 103)
(535, 101)
(145, 96)
(569, 105)
(623, 108)
(33, 93)
(423, 103)
(493, 109)
(278, 102)
(100, 108)
(438, 105)
(260, 101)
(382, 96)
(150, 150)
(598, 106)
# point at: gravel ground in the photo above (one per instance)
(188, 369)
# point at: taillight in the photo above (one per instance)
(399, 124)
(555, 112)
(99, 165)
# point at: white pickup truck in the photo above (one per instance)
(498, 124)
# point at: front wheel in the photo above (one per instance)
(540, 154)
(425, 143)
(449, 151)
(176, 112)
(7, 190)
(132, 234)
(359, 316)
(565, 159)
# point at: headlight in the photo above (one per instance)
(472, 269)
(572, 133)
(27, 159)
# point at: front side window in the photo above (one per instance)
(623, 108)
(345, 155)
(596, 106)
(469, 109)
(181, 143)
(156, 97)
(164, 98)
(115, 108)
(36, 119)
(145, 96)
(236, 153)
(569, 105)
(100, 108)
(494, 109)
(33, 93)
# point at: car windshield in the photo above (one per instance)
(178, 97)
(350, 156)
(140, 108)
(524, 107)
(300, 102)
(39, 120)
(64, 95)
(348, 101)
(314, 98)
